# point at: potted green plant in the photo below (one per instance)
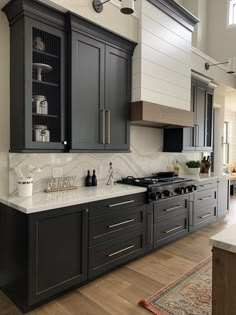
(193, 167)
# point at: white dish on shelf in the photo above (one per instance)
(40, 68)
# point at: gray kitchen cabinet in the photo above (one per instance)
(223, 188)
(200, 136)
(100, 88)
(203, 205)
(87, 93)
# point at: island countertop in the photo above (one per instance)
(225, 240)
(47, 201)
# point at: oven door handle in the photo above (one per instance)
(172, 208)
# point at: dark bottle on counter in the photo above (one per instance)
(88, 179)
(94, 179)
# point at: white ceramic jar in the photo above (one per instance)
(25, 187)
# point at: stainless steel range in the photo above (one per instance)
(162, 185)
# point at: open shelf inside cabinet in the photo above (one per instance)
(46, 88)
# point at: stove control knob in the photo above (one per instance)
(179, 191)
(186, 190)
(154, 196)
(191, 188)
(167, 193)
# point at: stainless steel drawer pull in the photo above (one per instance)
(205, 216)
(120, 203)
(121, 223)
(174, 229)
(173, 208)
(205, 185)
(206, 197)
(120, 251)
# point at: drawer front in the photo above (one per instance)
(116, 224)
(115, 252)
(207, 185)
(205, 213)
(115, 204)
(167, 207)
(169, 230)
(205, 197)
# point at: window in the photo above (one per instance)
(226, 143)
(232, 12)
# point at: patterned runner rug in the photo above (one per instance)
(188, 295)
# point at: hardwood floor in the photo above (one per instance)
(118, 292)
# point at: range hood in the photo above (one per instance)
(154, 115)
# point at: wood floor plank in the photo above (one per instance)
(77, 304)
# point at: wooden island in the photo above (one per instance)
(224, 272)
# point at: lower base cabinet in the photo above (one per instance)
(42, 254)
(47, 253)
(203, 206)
(57, 251)
(115, 252)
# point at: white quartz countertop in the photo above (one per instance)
(225, 240)
(48, 201)
(205, 177)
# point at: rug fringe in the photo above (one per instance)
(150, 308)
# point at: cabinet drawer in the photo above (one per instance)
(113, 253)
(115, 224)
(206, 213)
(166, 207)
(168, 230)
(205, 197)
(207, 185)
(109, 205)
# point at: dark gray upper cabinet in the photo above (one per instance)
(87, 91)
(200, 137)
(88, 87)
(37, 39)
(100, 88)
(117, 99)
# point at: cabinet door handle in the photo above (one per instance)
(197, 135)
(174, 229)
(172, 208)
(205, 216)
(120, 203)
(102, 129)
(121, 223)
(121, 251)
(108, 124)
(206, 197)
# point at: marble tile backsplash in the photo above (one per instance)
(145, 158)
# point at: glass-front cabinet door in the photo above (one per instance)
(45, 94)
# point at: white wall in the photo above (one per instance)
(165, 58)
(110, 18)
(4, 102)
(220, 39)
(199, 9)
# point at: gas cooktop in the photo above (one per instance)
(152, 181)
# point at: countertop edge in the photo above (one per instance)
(55, 204)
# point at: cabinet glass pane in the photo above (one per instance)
(209, 121)
(46, 98)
